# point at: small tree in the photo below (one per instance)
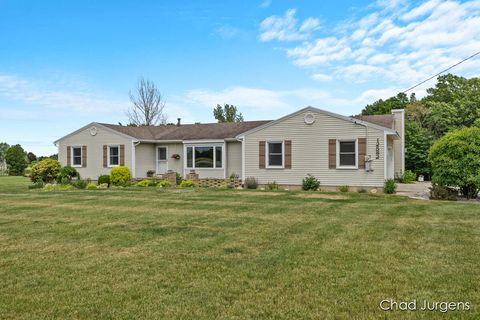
(148, 105)
(31, 157)
(16, 160)
(227, 113)
(455, 160)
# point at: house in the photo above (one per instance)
(358, 151)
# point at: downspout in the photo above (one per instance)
(242, 140)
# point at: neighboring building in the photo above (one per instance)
(338, 150)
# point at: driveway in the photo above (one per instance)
(417, 190)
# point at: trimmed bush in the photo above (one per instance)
(251, 183)
(344, 188)
(455, 160)
(390, 186)
(120, 176)
(438, 192)
(310, 183)
(16, 159)
(66, 174)
(91, 186)
(186, 184)
(163, 183)
(80, 184)
(46, 170)
(145, 183)
(104, 179)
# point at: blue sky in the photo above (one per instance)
(64, 64)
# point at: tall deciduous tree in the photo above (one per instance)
(3, 150)
(16, 160)
(148, 105)
(227, 113)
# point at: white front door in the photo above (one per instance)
(162, 160)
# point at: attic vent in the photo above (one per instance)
(309, 118)
(93, 131)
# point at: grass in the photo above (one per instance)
(140, 253)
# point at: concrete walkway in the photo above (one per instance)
(417, 190)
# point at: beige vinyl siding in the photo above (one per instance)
(310, 151)
(144, 159)
(234, 158)
(397, 144)
(94, 146)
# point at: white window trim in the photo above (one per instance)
(81, 157)
(267, 154)
(108, 155)
(338, 154)
(214, 156)
(156, 158)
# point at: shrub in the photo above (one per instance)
(408, 177)
(251, 183)
(119, 176)
(164, 183)
(66, 174)
(16, 160)
(186, 184)
(179, 178)
(439, 192)
(46, 170)
(272, 186)
(310, 183)
(362, 190)
(390, 186)
(104, 179)
(344, 188)
(234, 176)
(37, 185)
(455, 160)
(144, 183)
(27, 172)
(102, 186)
(91, 186)
(57, 187)
(80, 184)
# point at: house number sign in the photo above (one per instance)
(377, 149)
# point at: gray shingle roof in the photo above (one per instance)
(188, 131)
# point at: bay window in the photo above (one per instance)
(204, 157)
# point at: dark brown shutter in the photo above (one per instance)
(362, 152)
(332, 153)
(261, 154)
(84, 156)
(122, 154)
(105, 156)
(288, 154)
(69, 156)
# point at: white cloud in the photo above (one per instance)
(57, 95)
(287, 28)
(395, 43)
(321, 77)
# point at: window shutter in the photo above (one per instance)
(122, 154)
(288, 154)
(84, 156)
(332, 153)
(69, 156)
(261, 154)
(362, 152)
(105, 160)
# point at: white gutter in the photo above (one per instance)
(242, 140)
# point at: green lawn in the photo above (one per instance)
(205, 254)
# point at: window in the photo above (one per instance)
(77, 156)
(189, 157)
(347, 153)
(162, 153)
(113, 156)
(204, 157)
(275, 154)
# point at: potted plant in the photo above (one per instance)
(176, 156)
(150, 173)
